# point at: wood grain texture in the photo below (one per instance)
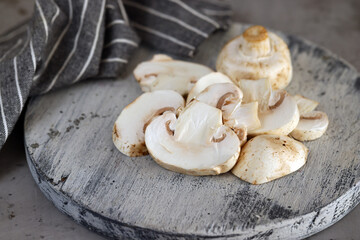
(74, 162)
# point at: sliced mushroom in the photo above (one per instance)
(205, 82)
(164, 73)
(220, 94)
(257, 54)
(268, 157)
(244, 115)
(281, 118)
(311, 126)
(305, 105)
(228, 97)
(129, 128)
(196, 143)
(241, 118)
(256, 91)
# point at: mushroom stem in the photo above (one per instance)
(256, 42)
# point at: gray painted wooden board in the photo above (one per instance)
(73, 160)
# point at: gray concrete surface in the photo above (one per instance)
(26, 214)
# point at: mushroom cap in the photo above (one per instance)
(129, 128)
(268, 157)
(311, 126)
(305, 105)
(164, 73)
(281, 118)
(256, 54)
(198, 145)
(205, 82)
(220, 94)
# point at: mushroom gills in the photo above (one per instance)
(210, 149)
(268, 157)
(164, 73)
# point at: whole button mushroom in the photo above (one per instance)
(197, 143)
(256, 54)
(129, 128)
(268, 157)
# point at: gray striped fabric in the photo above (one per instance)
(67, 41)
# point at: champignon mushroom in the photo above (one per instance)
(129, 128)
(311, 126)
(281, 117)
(244, 115)
(227, 97)
(164, 73)
(257, 54)
(206, 81)
(268, 157)
(256, 91)
(196, 143)
(220, 94)
(305, 105)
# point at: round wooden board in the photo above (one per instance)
(74, 162)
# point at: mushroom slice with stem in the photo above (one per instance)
(281, 117)
(129, 128)
(305, 105)
(220, 94)
(164, 73)
(197, 143)
(268, 157)
(256, 91)
(311, 126)
(242, 118)
(205, 82)
(257, 54)
(228, 97)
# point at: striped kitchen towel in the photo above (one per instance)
(67, 41)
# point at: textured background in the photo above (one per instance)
(24, 211)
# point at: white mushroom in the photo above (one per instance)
(242, 115)
(256, 91)
(311, 126)
(164, 73)
(268, 157)
(305, 105)
(241, 118)
(196, 143)
(206, 81)
(257, 54)
(228, 97)
(281, 117)
(129, 128)
(220, 94)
